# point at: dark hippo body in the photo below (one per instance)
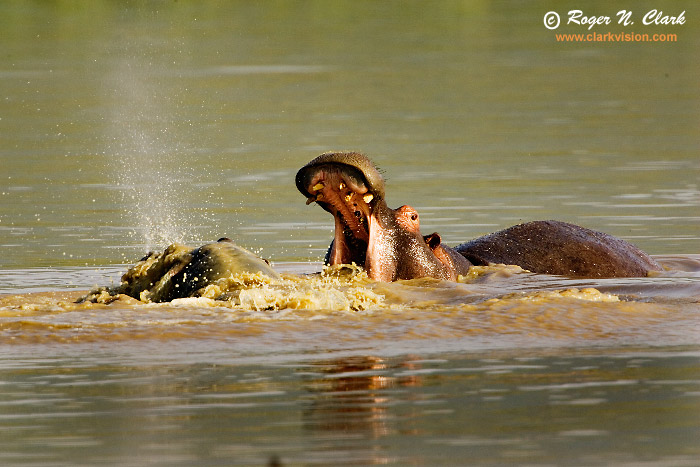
(554, 247)
(181, 271)
(209, 263)
(388, 243)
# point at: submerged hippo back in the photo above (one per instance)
(553, 247)
(182, 271)
(212, 262)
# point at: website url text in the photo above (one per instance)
(621, 37)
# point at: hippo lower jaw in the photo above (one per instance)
(350, 187)
(351, 203)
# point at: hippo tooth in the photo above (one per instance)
(348, 197)
(317, 187)
(310, 200)
(368, 197)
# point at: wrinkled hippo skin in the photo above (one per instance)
(181, 271)
(389, 245)
(553, 247)
(209, 263)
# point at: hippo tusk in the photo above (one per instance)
(311, 199)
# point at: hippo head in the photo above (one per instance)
(386, 242)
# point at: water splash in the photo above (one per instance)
(147, 153)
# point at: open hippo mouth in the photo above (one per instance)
(386, 242)
(349, 187)
(389, 245)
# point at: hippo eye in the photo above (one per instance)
(414, 217)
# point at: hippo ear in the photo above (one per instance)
(433, 240)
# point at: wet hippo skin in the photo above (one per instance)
(181, 271)
(553, 247)
(389, 245)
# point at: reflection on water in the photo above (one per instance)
(502, 367)
(583, 407)
(126, 125)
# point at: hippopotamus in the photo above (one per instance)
(181, 271)
(389, 245)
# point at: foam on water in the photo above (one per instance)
(341, 308)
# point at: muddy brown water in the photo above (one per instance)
(126, 127)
